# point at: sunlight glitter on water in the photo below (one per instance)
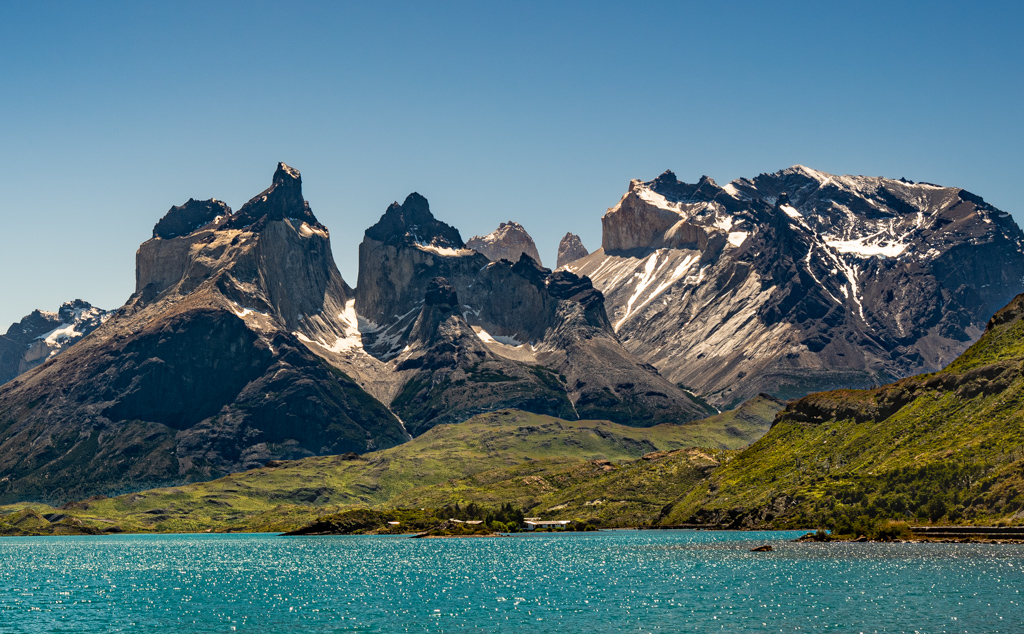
(599, 582)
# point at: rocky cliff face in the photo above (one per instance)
(234, 350)
(520, 311)
(448, 373)
(570, 249)
(42, 335)
(801, 281)
(603, 379)
(242, 343)
(508, 242)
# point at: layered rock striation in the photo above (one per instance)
(801, 281)
(522, 312)
(217, 363)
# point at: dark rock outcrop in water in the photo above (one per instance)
(570, 249)
(42, 335)
(231, 352)
(800, 281)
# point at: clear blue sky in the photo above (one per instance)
(112, 112)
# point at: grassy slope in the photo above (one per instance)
(598, 492)
(510, 444)
(952, 453)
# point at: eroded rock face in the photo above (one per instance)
(448, 374)
(570, 249)
(398, 257)
(42, 335)
(801, 281)
(239, 346)
(644, 219)
(603, 379)
(520, 312)
(508, 242)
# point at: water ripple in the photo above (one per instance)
(596, 582)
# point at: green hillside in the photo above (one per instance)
(944, 447)
(498, 449)
(601, 492)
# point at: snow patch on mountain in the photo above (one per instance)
(737, 238)
(76, 322)
(863, 247)
(430, 248)
(649, 195)
(790, 211)
(661, 270)
(504, 340)
(840, 279)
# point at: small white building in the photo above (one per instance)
(533, 523)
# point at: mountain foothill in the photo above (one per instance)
(242, 344)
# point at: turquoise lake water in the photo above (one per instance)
(671, 581)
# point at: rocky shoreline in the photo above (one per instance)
(981, 538)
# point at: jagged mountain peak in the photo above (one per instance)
(398, 256)
(283, 199)
(810, 172)
(239, 346)
(531, 270)
(666, 213)
(668, 180)
(508, 242)
(181, 220)
(832, 280)
(702, 193)
(42, 335)
(271, 259)
(78, 310)
(412, 223)
(285, 174)
(570, 249)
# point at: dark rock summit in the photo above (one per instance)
(283, 199)
(184, 219)
(232, 352)
(412, 223)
